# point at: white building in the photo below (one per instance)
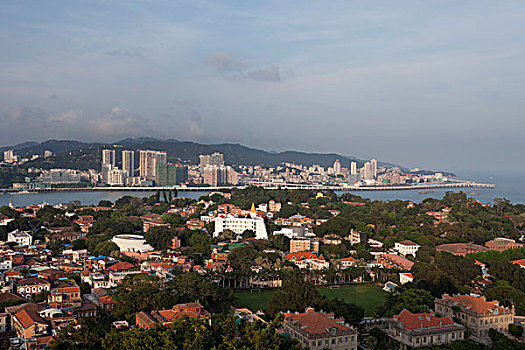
(405, 277)
(406, 248)
(20, 237)
(295, 232)
(132, 243)
(239, 225)
(128, 163)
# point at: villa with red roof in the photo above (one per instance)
(520, 262)
(423, 330)
(394, 261)
(477, 314)
(318, 330)
(308, 260)
(145, 320)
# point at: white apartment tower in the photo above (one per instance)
(374, 167)
(353, 168)
(337, 167)
(108, 157)
(148, 161)
(128, 163)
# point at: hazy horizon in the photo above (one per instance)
(429, 85)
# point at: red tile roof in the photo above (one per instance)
(475, 304)
(314, 322)
(28, 317)
(422, 320)
(121, 266)
(303, 256)
(520, 262)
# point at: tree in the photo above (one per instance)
(516, 330)
(414, 300)
(158, 237)
(296, 294)
(105, 248)
(248, 234)
(350, 312)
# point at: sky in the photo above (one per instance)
(429, 84)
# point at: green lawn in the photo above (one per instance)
(366, 296)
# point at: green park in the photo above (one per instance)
(367, 296)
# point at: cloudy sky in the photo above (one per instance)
(435, 84)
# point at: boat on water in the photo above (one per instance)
(474, 193)
(426, 192)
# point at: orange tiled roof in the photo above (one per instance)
(314, 322)
(303, 256)
(520, 262)
(28, 317)
(475, 304)
(422, 320)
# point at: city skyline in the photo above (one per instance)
(433, 86)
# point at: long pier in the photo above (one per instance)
(269, 186)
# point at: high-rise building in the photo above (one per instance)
(116, 177)
(108, 157)
(8, 155)
(128, 163)
(170, 175)
(353, 168)
(215, 159)
(220, 175)
(368, 172)
(373, 163)
(337, 167)
(148, 161)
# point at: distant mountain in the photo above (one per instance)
(81, 155)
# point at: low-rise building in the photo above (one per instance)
(405, 277)
(423, 330)
(239, 225)
(30, 287)
(318, 330)
(406, 248)
(501, 244)
(308, 260)
(477, 314)
(394, 261)
(304, 245)
(28, 324)
(145, 320)
(20, 237)
(461, 248)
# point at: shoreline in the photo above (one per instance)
(348, 188)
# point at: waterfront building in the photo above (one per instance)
(239, 225)
(170, 175)
(108, 157)
(220, 175)
(337, 167)
(148, 161)
(116, 177)
(319, 330)
(477, 314)
(373, 164)
(215, 159)
(353, 168)
(128, 163)
(423, 330)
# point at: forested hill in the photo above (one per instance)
(75, 154)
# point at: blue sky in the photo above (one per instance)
(418, 83)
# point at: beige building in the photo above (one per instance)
(477, 314)
(304, 245)
(317, 330)
(423, 330)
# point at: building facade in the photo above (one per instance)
(318, 330)
(423, 330)
(477, 314)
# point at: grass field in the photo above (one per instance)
(366, 296)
